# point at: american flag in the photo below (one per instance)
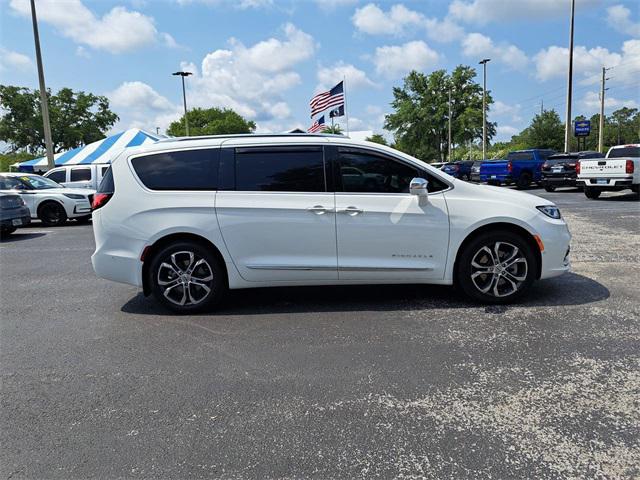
(324, 100)
(317, 126)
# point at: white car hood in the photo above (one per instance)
(504, 194)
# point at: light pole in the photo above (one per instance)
(44, 102)
(484, 106)
(567, 125)
(184, 99)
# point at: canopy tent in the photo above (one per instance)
(102, 151)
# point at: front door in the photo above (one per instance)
(383, 232)
(278, 219)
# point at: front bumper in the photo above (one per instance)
(555, 257)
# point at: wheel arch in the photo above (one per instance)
(492, 227)
(162, 242)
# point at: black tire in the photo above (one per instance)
(523, 268)
(6, 231)
(183, 286)
(524, 180)
(83, 220)
(550, 188)
(52, 214)
(592, 193)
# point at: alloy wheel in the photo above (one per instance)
(185, 278)
(499, 269)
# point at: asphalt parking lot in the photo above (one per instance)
(331, 382)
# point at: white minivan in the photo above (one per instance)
(78, 176)
(185, 219)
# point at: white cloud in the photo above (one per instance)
(10, 60)
(374, 21)
(445, 30)
(139, 105)
(82, 52)
(619, 18)
(506, 110)
(354, 77)
(552, 62)
(591, 102)
(485, 11)
(394, 61)
(119, 30)
(252, 80)
(477, 45)
(505, 132)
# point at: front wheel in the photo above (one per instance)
(186, 277)
(52, 214)
(6, 231)
(496, 267)
(550, 188)
(592, 193)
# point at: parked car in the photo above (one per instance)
(619, 170)
(13, 213)
(460, 169)
(187, 218)
(438, 165)
(475, 171)
(521, 167)
(78, 176)
(47, 200)
(559, 170)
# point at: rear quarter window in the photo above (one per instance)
(79, 175)
(179, 170)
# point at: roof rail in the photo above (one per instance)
(251, 135)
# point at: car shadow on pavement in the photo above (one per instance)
(570, 289)
(627, 197)
(18, 237)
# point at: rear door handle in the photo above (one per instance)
(318, 209)
(352, 211)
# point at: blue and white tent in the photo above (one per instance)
(102, 151)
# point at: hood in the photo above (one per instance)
(503, 194)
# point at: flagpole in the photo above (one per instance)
(346, 110)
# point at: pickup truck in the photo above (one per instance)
(460, 169)
(78, 176)
(520, 167)
(619, 170)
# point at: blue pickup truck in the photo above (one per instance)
(521, 167)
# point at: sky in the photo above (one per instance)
(267, 58)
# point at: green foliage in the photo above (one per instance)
(211, 121)
(421, 111)
(621, 127)
(77, 118)
(8, 159)
(335, 129)
(377, 138)
(545, 131)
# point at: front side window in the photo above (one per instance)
(36, 182)
(362, 171)
(179, 170)
(57, 176)
(80, 174)
(280, 169)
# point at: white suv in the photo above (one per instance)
(187, 218)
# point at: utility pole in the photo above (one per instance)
(44, 102)
(449, 123)
(484, 107)
(542, 106)
(601, 126)
(567, 126)
(184, 99)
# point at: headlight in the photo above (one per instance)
(550, 211)
(75, 196)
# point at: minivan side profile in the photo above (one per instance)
(185, 219)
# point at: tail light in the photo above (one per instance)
(629, 166)
(578, 167)
(509, 167)
(100, 200)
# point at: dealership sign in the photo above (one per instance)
(582, 128)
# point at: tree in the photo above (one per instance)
(421, 111)
(211, 121)
(377, 138)
(77, 118)
(334, 129)
(545, 131)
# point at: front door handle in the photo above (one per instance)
(352, 211)
(318, 209)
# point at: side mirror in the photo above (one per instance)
(419, 186)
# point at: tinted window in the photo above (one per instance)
(280, 169)
(625, 152)
(58, 176)
(9, 183)
(183, 170)
(103, 170)
(362, 171)
(520, 156)
(106, 185)
(79, 175)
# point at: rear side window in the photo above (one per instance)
(520, 156)
(58, 176)
(624, 152)
(180, 170)
(280, 169)
(79, 175)
(106, 185)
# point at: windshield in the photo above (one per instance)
(624, 152)
(38, 183)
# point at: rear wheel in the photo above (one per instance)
(496, 267)
(52, 214)
(186, 277)
(592, 193)
(550, 188)
(6, 231)
(524, 180)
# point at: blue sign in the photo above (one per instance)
(582, 128)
